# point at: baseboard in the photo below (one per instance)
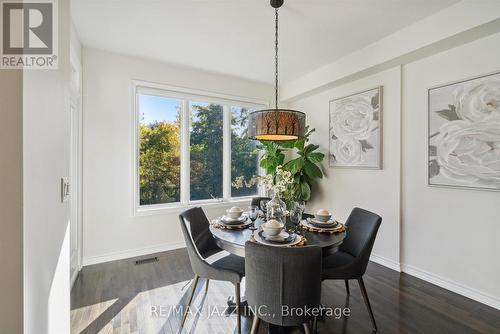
(391, 264)
(452, 286)
(120, 255)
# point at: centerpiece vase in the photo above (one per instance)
(276, 209)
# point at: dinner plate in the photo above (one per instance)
(237, 225)
(231, 221)
(263, 241)
(328, 224)
(283, 237)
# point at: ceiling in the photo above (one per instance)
(236, 37)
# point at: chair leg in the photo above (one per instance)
(315, 325)
(306, 328)
(347, 286)
(238, 309)
(193, 289)
(255, 325)
(206, 285)
(367, 302)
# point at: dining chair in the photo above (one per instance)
(256, 200)
(201, 247)
(278, 277)
(351, 260)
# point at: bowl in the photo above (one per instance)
(323, 215)
(272, 228)
(234, 212)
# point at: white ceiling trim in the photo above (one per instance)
(456, 19)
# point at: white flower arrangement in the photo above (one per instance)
(283, 179)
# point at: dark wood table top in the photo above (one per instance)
(233, 241)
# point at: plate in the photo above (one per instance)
(231, 221)
(283, 237)
(329, 224)
(260, 240)
(245, 224)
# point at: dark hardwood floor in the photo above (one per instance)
(122, 297)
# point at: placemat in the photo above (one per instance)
(332, 230)
(301, 243)
(217, 224)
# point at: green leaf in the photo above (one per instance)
(305, 191)
(295, 165)
(315, 157)
(299, 144)
(312, 170)
(449, 114)
(310, 148)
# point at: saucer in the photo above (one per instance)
(283, 237)
(317, 223)
(231, 221)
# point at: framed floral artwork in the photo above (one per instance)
(464, 133)
(356, 130)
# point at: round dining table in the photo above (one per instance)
(233, 241)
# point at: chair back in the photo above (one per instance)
(362, 228)
(199, 241)
(278, 277)
(256, 200)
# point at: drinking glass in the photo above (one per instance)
(253, 214)
(295, 214)
(263, 205)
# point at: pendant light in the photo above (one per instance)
(276, 124)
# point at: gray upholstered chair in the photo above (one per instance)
(351, 260)
(201, 245)
(256, 200)
(277, 277)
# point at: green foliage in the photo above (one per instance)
(304, 167)
(206, 152)
(244, 159)
(159, 163)
(159, 158)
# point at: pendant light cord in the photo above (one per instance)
(276, 59)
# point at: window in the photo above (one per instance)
(244, 161)
(159, 150)
(190, 147)
(206, 150)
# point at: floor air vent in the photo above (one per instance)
(146, 260)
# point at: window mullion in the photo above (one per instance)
(185, 155)
(226, 155)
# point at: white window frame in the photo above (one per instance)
(185, 95)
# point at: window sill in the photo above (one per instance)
(178, 208)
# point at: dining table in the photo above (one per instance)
(233, 241)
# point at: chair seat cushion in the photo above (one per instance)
(227, 261)
(337, 266)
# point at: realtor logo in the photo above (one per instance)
(29, 36)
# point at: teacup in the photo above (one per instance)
(234, 213)
(272, 227)
(323, 215)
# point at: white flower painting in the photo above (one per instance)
(464, 134)
(355, 132)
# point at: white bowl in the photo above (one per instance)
(272, 230)
(234, 213)
(322, 218)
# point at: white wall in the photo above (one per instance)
(110, 231)
(46, 160)
(446, 236)
(451, 233)
(374, 190)
(11, 201)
